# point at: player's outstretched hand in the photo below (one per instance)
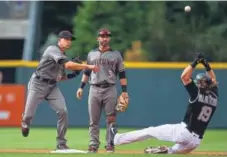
(79, 93)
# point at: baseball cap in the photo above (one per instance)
(104, 31)
(66, 35)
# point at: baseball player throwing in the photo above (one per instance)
(188, 134)
(43, 86)
(103, 91)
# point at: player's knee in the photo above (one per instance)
(93, 123)
(62, 111)
(111, 119)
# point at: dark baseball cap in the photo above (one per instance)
(66, 35)
(104, 31)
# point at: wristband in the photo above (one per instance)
(82, 85)
(207, 66)
(124, 88)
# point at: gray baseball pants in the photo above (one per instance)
(39, 91)
(101, 99)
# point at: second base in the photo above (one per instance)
(68, 151)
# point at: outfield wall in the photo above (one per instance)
(157, 97)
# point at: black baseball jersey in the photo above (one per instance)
(202, 105)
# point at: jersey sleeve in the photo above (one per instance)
(57, 55)
(192, 90)
(62, 61)
(88, 59)
(120, 64)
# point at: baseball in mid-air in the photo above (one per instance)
(187, 8)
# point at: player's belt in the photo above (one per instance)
(103, 85)
(46, 80)
(190, 130)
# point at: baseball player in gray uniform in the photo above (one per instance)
(103, 91)
(43, 86)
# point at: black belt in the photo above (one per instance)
(193, 132)
(46, 80)
(103, 85)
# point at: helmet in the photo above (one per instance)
(203, 80)
(104, 31)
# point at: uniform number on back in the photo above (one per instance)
(205, 114)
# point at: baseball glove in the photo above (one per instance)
(122, 103)
(77, 60)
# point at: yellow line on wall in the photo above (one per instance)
(130, 65)
(18, 63)
(169, 65)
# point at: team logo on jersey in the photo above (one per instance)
(103, 61)
(208, 99)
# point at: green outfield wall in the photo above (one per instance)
(157, 96)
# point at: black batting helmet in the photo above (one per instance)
(104, 31)
(203, 80)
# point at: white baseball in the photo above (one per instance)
(187, 8)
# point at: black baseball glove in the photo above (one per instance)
(204, 61)
(198, 58)
(76, 60)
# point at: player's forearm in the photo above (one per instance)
(187, 74)
(75, 66)
(84, 80)
(212, 76)
(209, 71)
(123, 81)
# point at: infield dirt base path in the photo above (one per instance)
(103, 151)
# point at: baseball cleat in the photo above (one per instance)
(157, 150)
(92, 149)
(62, 147)
(113, 131)
(24, 129)
(110, 149)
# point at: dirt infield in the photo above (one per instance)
(103, 151)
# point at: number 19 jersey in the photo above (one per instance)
(202, 105)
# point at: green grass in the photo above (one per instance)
(44, 138)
